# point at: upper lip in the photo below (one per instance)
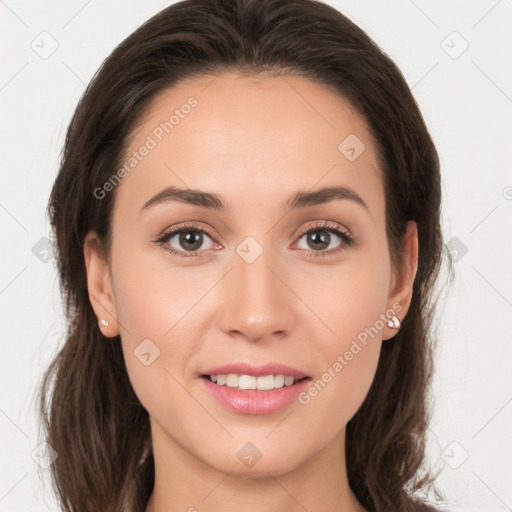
(256, 371)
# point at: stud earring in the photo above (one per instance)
(394, 323)
(103, 323)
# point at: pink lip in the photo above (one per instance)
(255, 371)
(254, 401)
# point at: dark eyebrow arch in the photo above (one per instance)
(188, 196)
(301, 199)
(324, 195)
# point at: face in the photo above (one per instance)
(267, 272)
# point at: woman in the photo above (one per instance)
(247, 219)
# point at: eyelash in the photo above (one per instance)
(328, 226)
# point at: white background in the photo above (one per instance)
(467, 104)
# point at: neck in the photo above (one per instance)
(185, 483)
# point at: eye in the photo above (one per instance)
(191, 240)
(325, 236)
(186, 239)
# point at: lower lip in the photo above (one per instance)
(254, 401)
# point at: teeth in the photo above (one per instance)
(263, 383)
(279, 381)
(245, 381)
(232, 380)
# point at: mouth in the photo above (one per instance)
(248, 388)
(246, 393)
(243, 382)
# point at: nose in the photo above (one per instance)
(258, 302)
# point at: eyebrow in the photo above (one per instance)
(211, 201)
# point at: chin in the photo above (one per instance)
(253, 460)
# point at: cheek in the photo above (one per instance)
(151, 297)
(349, 299)
(151, 309)
(352, 305)
(349, 357)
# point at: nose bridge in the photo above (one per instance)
(253, 272)
(258, 302)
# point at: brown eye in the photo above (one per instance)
(186, 241)
(190, 240)
(325, 240)
(319, 239)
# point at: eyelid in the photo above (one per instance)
(325, 224)
(191, 225)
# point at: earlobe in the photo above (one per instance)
(99, 286)
(400, 294)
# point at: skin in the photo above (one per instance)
(254, 140)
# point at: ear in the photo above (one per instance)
(400, 290)
(99, 286)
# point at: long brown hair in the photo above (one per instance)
(90, 413)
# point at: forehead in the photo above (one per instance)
(265, 136)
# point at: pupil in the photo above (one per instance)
(319, 240)
(191, 238)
